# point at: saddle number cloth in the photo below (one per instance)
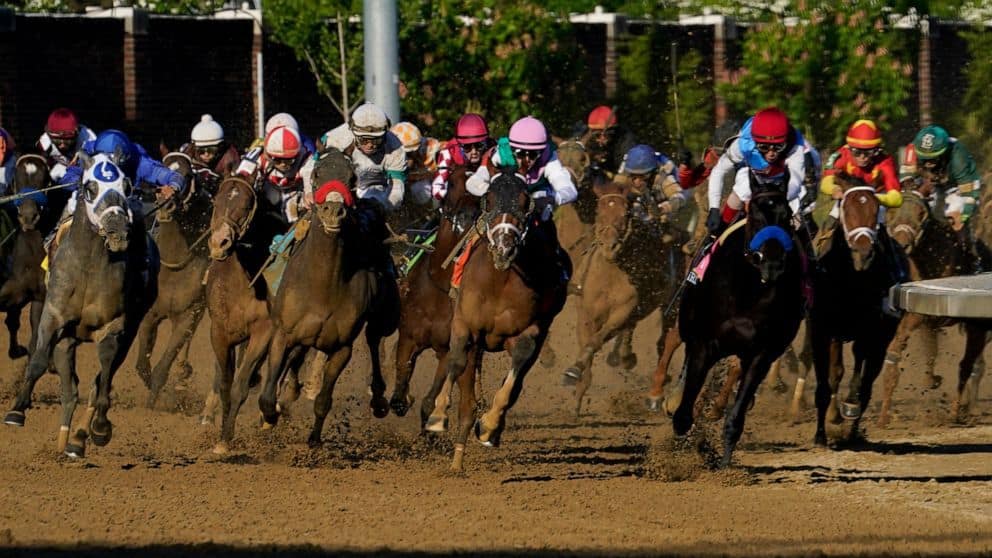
(699, 271)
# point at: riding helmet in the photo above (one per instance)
(931, 142)
(207, 132)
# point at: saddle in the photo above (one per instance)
(702, 262)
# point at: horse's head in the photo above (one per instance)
(104, 192)
(768, 223)
(859, 219)
(234, 209)
(573, 156)
(30, 174)
(613, 220)
(459, 206)
(906, 223)
(507, 202)
(332, 202)
(182, 164)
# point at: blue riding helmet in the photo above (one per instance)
(116, 144)
(641, 159)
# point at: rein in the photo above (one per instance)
(852, 235)
(914, 232)
(240, 228)
(629, 229)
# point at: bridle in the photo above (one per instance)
(239, 184)
(852, 235)
(628, 229)
(914, 232)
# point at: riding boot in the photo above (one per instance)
(372, 226)
(562, 260)
(824, 237)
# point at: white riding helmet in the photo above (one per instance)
(207, 132)
(369, 120)
(281, 119)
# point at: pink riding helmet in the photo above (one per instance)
(471, 128)
(528, 133)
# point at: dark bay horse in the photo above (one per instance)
(510, 294)
(849, 283)
(102, 284)
(631, 270)
(426, 309)
(22, 251)
(749, 303)
(183, 225)
(933, 251)
(238, 307)
(330, 290)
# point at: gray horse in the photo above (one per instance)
(103, 280)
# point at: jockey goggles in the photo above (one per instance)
(770, 147)
(209, 149)
(858, 152)
(531, 154)
(477, 146)
(372, 141)
(284, 162)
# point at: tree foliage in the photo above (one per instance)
(975, 111)
(840, 63)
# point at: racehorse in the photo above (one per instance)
(849, 283)
(103, 280)
(630, 270)
(183, 225)
(748, 303)
(237, 298)
(510, 294)
(22, 250)
(933, 251)
(426, 309)
(330, 291)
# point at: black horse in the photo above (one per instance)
(748, 303)
(850, 282)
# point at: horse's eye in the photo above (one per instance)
(90, 191)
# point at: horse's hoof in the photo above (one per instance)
(936, 381)
(401, 405)
(436, 424)
(820, 439)
(613, 359)
(75, 451)
(313, 441)
(205, 420)
(17, 352)
(571, 376)
(488, 438)
(14, 418)
(102, 438)
(682, 424)
(221, 448)
(268, 422)
(850, 411)
(380, 407)
(653, 404)
(628, 362)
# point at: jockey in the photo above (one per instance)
(212, 157)
(528, 152)
(652, 176)
(863, 158)
(8, 160)
(133, 160)
(936, 161)
(250, 160)
(768, 148)
(606, 141)
(471, 142)
(278, 174)
(60, 142)
(420, 161)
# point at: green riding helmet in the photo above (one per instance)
(931, 142)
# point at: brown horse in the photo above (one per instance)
(182, 227)
(239, 308)
(631, 270)
(509, 296)
(850, 282)
(426, 309)
(933, 251)
(23, 279)
(329, 292)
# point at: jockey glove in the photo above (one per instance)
(714, 222)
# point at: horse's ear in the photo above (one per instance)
(599, 188)
(85, 161)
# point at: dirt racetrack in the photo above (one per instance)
(610, 482)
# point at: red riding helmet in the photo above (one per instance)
(770, 125)
(471, 128)
(864, 134)
(602, 118)
(62, 123)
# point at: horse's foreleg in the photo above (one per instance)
(623, 355)
(699, 358)
(406, 354)
(523, 351)
(806, 362)
(466, 408)
(378, 403)
(182, 332)
(757, 368)
(893, 356)
(13, 322)
(48, 328)
(872, 358)
(440, 375)
(36, 307)
(458, 346)
(147, 336)
(548, 356)
(198, 311)
(322, 405)
(734, 377)
(64, 361)
(236, 386)
(111, 352)
(930, 354)
(836, 353)
(975, 337)
(277, 359)
(668, 342)
(851, 408)
(821, 347)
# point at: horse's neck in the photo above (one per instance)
(447, 239)
(172, 243)
(325, 257)
(938, 252)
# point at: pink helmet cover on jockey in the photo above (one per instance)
(471, 128)
(528, 133)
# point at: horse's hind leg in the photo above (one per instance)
(822, 347)
(734, 375)
(187, 367)
(930, 348)
(406, 354)
(378, 403)
(623, 354)
(276, 361)
(975, 337)
(806, 362)
(891, 371)
(548, 356)
(322, 405)
(182, 332)
(147, 335)
(836, 374)
(755, 372)
(668, 342)
(37, 366)
(111, 352)
(64, 361)
(466, 408)
(13, 322)
(523, 352)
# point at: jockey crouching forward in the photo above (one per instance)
(212, 157)
(471, 142)
(421, 166)
(769, 148)
(652, 178)
(379, 163)
(939, 164)
(62, 140)
(527, 152)
(277, 176)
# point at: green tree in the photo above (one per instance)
(972, 119)
(840, 62)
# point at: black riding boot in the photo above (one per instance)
(372, 227)
(550, 233)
